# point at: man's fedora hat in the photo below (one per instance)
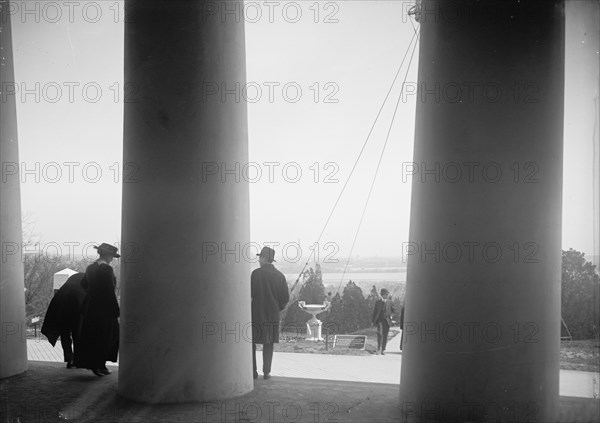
(107, 248)
(267, 253)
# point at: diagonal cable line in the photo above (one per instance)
(377, 169)
(415, 36)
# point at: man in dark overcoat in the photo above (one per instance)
(270, 294)
(62, 316)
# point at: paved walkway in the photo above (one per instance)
(353, 368)
(370, 369)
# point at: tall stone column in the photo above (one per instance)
(482, 317)
(13, 345)
(185, 299)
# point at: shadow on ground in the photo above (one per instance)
(48, 392)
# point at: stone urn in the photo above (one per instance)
(313, 326)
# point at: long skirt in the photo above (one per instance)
(98, 342)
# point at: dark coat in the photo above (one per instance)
(99, 333)
(402, 318)
(380, 313)
(270, 294)
(63, 311)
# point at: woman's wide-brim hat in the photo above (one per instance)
(107, 249)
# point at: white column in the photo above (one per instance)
(482, 317)
(185, 302)
(13, 345)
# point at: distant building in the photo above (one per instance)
(61, 277)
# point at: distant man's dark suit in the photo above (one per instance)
(270, 294)
(402, 326)
(382, 318)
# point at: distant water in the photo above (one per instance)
(335, 278)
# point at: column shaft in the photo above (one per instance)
(482, 317)
(13, 346)
(185, 302)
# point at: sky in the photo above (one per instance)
(317, 74)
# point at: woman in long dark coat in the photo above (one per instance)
(99, 334)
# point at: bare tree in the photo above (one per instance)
(39, 268)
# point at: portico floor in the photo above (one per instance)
(304, 388)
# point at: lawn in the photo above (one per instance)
(300, 345)
(580, 355)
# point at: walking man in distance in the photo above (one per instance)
(270, 294)
(382, 318)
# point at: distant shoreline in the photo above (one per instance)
(361, 277)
